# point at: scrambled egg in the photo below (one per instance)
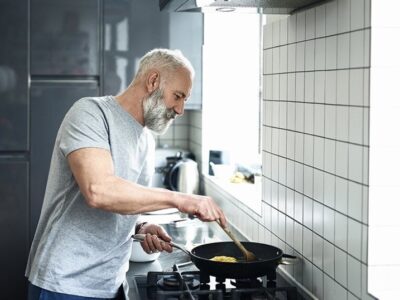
(228, 259)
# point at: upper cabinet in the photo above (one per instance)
(13, 75)
(132, 28)
(65, 37)
(186, 34)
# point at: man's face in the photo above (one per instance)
(157, 116)
(167, 102)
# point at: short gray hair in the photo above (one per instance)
(164, 59)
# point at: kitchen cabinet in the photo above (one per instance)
(49, 103)
(186, 34)
(65, 37)
(132, 28)
(13, 75)
(13, 227)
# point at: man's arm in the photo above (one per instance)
(94, 172)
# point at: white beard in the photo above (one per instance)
(157, 117)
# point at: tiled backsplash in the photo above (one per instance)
(184, 133)
(316, 146)
(177, 135)
(316, 108)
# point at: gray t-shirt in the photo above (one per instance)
(77, 249)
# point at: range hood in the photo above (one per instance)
(244, 6)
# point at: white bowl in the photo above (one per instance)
(223, 171)
(139, 255)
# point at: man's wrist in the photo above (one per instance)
(139, 226)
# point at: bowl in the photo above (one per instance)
(139, 255)
(223, 171)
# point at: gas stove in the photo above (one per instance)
(184, 281)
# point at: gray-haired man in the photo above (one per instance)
(99, 183)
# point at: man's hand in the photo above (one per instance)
(156, 239)
(203, 207)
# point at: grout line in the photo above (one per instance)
(314, 135)
(322, 37)
(319, 70)
(324, 205)
(319, 103)
(301, 256)
(313, 167)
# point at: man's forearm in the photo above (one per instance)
(125, 197)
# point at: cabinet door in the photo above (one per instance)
(13, 75)
(13, 228)
(131, 28)
(186, 34)
(49, 104)
(64, 37)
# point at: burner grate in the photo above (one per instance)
(179, 284)
(182, 295)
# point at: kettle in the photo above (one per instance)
(183, 176)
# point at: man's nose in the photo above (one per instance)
(179, 109)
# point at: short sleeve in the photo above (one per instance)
(84, 126)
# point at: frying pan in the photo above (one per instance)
(268, 259)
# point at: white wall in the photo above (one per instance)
(316, 148)
(384, 221)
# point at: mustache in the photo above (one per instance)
(171, 114)
(157, 116)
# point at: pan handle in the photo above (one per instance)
(141, 237)
(180, 247)
(288, 259)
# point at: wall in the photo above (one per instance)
(195, 135)
(185, 133)
(316, 147)
(384, 221)
(177, 136)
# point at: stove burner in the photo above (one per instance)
(247, 283)
(172, 282)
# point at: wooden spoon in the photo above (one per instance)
(248, 255)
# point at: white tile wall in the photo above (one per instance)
(324, 103)
(316, 145)
(178, 133)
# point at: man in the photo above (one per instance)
(98, 184)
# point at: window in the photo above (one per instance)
(232, 72)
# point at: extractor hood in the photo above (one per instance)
(250, 6)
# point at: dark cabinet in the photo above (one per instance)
(49, 103)
(13, 75)
(13, 227)
(65, 37)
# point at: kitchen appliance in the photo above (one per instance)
(252, 6)
(175, 169)
(184, 281)
(181, 173)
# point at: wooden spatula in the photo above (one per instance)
(248, 255)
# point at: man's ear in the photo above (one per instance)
(153, 81)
